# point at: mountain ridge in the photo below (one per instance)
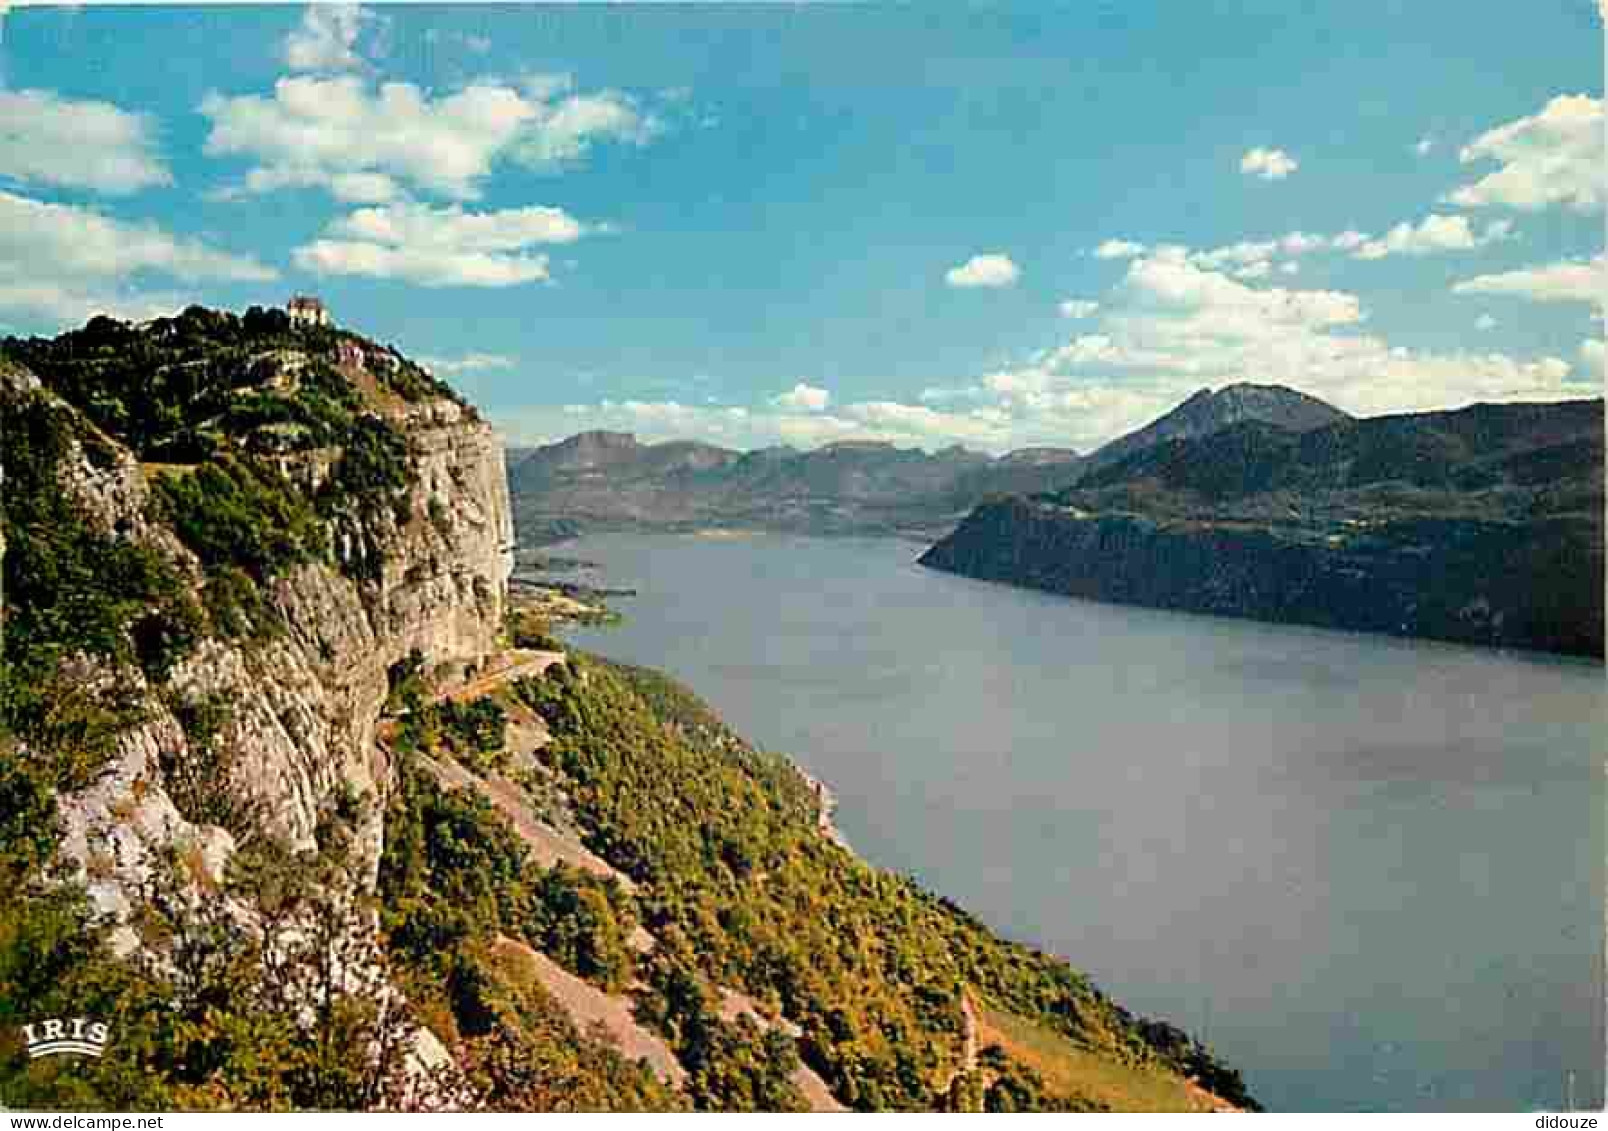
(603, 480)
(1479, 525)
(610, 480)
(291, 791)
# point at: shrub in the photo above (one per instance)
(234, 513)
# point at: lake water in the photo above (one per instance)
(1370, 871)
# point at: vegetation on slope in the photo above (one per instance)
(175, 388)
(740, 888)
(72, 592)
(212, 1012)
(209, 1015)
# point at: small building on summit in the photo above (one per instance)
(306, 310)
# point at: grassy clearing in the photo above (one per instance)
(1072, 1071)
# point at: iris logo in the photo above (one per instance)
(57, 1037)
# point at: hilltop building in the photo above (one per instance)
(306, 310)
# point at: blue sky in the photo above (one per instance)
(997, 225)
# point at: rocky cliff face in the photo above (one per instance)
(302, 703)
(1457, 580)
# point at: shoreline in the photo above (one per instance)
(826, 805)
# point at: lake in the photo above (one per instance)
(1369, 871)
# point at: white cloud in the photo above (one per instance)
(360, 142)
(1485, 322)
(441, 247)
(426, 268)
(468, 363)
(1431, 235)
(1553, 157)
(891, 421)
(989, 270)
(1564, 281)
(803, 398)
(1269, 164)
(1078, 308)
(452, 226)
(1119, 249)
(1258, 259)
(62, 264)
(1254, 259)
(1168, 328)
(1171, 327)
(326, 38)
(1424, 146)
(567, 125)
(49, 140)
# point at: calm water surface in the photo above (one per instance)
(1370, 871)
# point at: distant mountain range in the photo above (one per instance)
(610, 481)
(1483, 525)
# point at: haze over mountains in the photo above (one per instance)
(610, 481)
(1480, 525)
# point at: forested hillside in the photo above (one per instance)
(294, 802)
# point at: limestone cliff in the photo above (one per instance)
(301, 699)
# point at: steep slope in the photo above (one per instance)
(610, 481)
(1206, 412)
(280, 803)
(1482, 525)
(220, 532)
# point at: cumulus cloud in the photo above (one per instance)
(803, 398)
(1173, 326)
(567, 125)
(1424, 146)
(360, 142)
(1552, 157)
(989, 270)
(1078, 308)
(62, 264)
(46, 139)
(1432, 235)
(1258, 259)
(910, 425)
(1569, 280)
(441, 246)
(1485, 322)
(1118, 249)
(1269, 164)
(326, 38)
(468, 363)
(452, 226)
